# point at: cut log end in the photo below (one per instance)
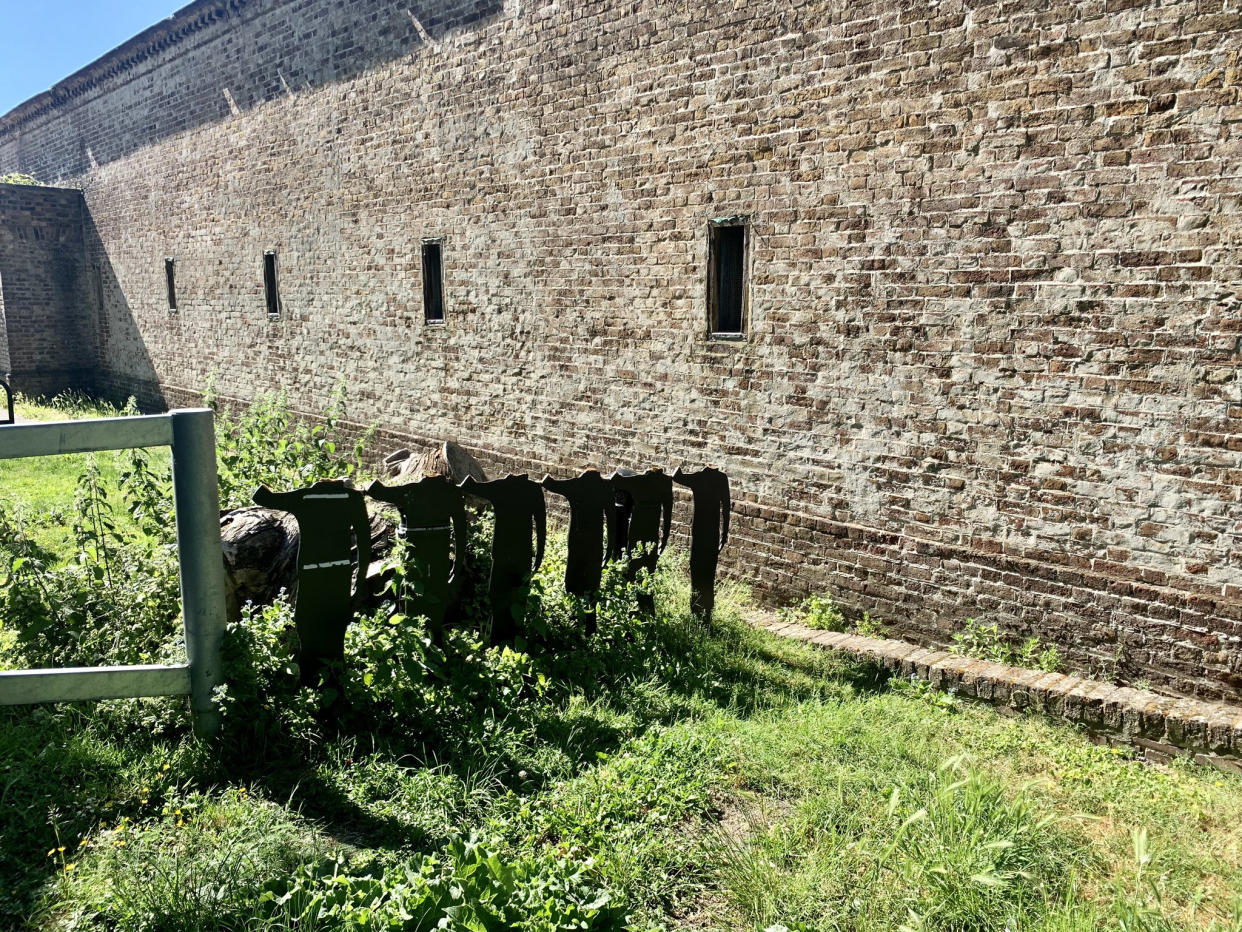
(446, 459)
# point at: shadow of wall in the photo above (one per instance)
(65, 322)
(122, 364)
(47, 307)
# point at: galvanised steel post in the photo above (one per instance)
(196, 496)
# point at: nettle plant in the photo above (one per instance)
(984, 641)
(470, 886)
(816, 611)
(821, 612)
(114, 596)
(397, 685)
(117, 599)
(268, 444)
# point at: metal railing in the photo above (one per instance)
(191, 435)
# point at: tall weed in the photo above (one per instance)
(266, 443)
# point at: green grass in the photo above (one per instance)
(748, 783)
(656, 776)
(40, 491)
(891, 812)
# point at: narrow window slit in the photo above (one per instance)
(270, 290)
(726, 281)
(170, 282)
(433, 283)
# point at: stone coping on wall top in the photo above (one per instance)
(189, 19)
(1160, 726)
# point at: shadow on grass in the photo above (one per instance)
(64, 770)
(59, 779)
(601, 693)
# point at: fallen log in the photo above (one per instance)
(261, 555)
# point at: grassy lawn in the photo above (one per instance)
(733, 781)
(40, 492)
(656, 776)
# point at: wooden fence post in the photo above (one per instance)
(196, 496)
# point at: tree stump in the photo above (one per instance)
(445, 459)
(260, 557)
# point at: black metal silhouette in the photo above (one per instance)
(433, 526)
(709, 532)
(8, 394)
(329, 513)
(518, 505)
(649, 506)
(591, 506)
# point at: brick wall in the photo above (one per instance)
(210, 59)
(992, 357)
(47, 312)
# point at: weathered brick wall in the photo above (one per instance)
(993, 351)
(213, 58)
(47, 311)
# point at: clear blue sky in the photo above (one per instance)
(42, 41)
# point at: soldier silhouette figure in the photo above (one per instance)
(619, 528)
(329, 514)
(709, 531)
(433, 526)
(590, 506)
(517, 504)
(648, 498)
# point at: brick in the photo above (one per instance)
(1162, 727)
(953, 299)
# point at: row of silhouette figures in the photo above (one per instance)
(626, 515)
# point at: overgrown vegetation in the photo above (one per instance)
(268, 443)
(20, 178)
(984, 641)
(656, 776)
(111, 594)
(978, 639)
(821, 612)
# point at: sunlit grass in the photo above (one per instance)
(39, 491)
(657, 776)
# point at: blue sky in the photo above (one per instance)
(42, 41)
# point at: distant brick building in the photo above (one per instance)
(979, 264)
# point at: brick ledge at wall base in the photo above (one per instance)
(1159, 727)
(634, 508)
(191, 435)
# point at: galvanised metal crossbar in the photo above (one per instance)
(191, 434)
